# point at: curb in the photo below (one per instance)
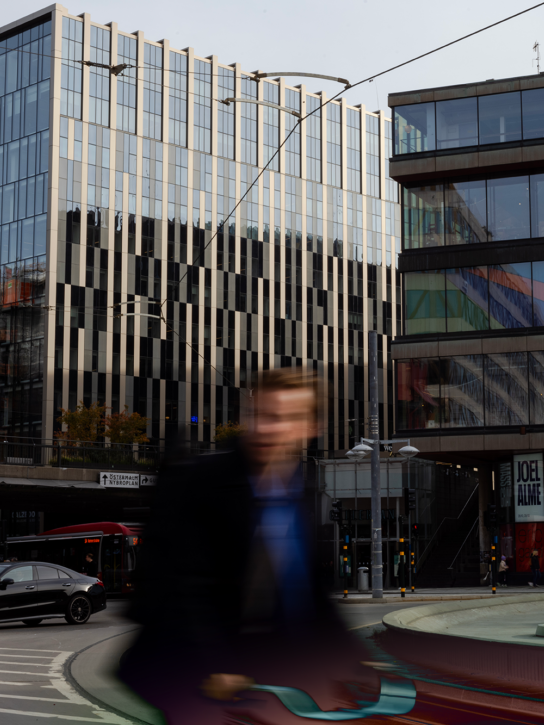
(410, 599)
(105, 680)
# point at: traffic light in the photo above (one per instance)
(336, 513)
(409, 500)
(415, 531)
(492, 515)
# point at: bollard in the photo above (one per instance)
(412, 569)
(493, 574)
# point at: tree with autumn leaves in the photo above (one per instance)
(88, 424)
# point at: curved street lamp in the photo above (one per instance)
(228, 101)
(257, 77)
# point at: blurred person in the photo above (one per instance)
(89, 566)
(535, 568)
(230, 592)
(503, 568)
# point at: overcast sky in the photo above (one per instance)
(349, 38)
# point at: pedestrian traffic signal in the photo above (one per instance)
(336, 513)
(409, 500)
(415, 531)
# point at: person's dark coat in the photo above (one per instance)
(535, 562)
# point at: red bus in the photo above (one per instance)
(114, 548)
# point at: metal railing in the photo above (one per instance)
(72, 454)
(433, 541)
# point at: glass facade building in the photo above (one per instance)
(469, 375)
(142, 219)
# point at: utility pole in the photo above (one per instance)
(374, 432)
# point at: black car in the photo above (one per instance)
(33, 590)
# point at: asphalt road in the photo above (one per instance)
(33, 686)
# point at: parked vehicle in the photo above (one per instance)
(31, 591)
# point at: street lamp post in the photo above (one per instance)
(408, 452)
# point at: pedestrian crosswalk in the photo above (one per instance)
(33, 686)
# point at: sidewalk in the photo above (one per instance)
(393, 596)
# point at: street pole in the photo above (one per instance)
(377, 564)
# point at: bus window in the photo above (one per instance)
(112, 562)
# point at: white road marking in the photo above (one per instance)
(112, 719)
(361, 626)
(55, 678)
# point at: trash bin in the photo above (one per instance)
(362, 579)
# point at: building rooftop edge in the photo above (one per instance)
(32, 16)
(461, 86)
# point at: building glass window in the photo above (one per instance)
(248, 121)
(126, 84)
(537, 205)
(225, 114)
(177, 122)
(462, 391)
(24, 156)
(72, 71)
(424, 302)
(508, 208)
(418, 394)
(423, 216)
(99, 78)
(313, 138)
(414, 128)
(391, 186)
(202, 108)
(510, 296)
(538, 294)
(532, 103)
(271, 125)
(334, 145)
(467, 299)
(152, 117)
(456, 123)
(373, 156)
(536, 387)
(506, 389)
(465, 212)
(353, 147)
(500, 118)
(292, 146)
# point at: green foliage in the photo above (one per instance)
(228, 432)
(125, 428)
(83, 425)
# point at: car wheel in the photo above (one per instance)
(31, 622)
(79, 609)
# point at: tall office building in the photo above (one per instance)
(470, 362)
(123, 278)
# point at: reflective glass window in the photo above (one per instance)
(414, 128)
(532, 103)
(506, 389)
(71, 69)
(462, 391)
(99, 78)
(465, 212)
(467, 299)
(372, 156)
(535, 362)
(353, 149)
(177, 127)
(510, 298)
(225, 114)
(334, 145)
(127, 50)
(313, 139)
(538, 294)
(292, 144)
(508, 214)
(152, 115)
(423, 216)
(537, 205)
(500, 117)
(456, 123)
(271, 126)
(425, 302)
(202, 106)
(391, 186)
(418, 394)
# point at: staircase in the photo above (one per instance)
(452, 556)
